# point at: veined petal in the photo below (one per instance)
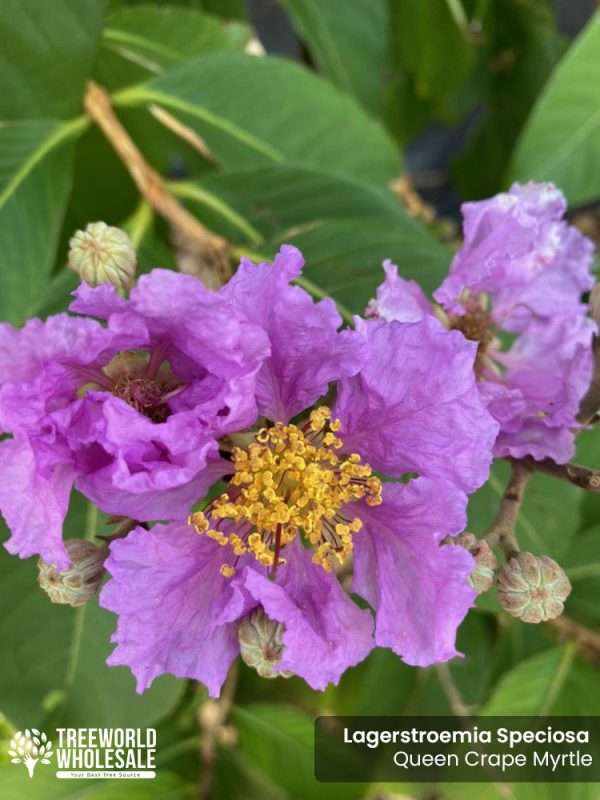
(307, 350)
(415, 407)
(164, 584)
(34, 502)
(417, 587)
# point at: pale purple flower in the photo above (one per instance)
(521, 270)
(129, 411)
(407, 402)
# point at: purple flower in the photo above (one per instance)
(130, 411)
(302, 495)
(521, 270)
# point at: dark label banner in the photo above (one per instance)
(441, 749)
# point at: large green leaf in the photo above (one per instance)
(582, 565)
(53, 662)
(346, 228)
(561, 141)
(351, 49)
(35, 178)
(254, 111)
(533, 686)
(15, 784)
(275, 738)
(47, 54)
(433, 44)
(520, 47)
(146, 40)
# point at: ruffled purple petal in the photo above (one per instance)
(398, 299)
(417, 587)
(415, 407)
(129, 465)
(548, 369)
(33, 499)
(307, 351)
(517, 248)
(325, 631)
(164, 584)
(60, 339)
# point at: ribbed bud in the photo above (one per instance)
(261, 644)
(103, 254)
(76, 585)
(482, 577)
(532, 588)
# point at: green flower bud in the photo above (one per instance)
(532, 588)
(83, 578)
(261, 644)
(103, 254)
(482, 577)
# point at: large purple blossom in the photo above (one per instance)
(129, 411)
(519, 275)
(407, 402)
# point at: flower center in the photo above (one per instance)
(141, 381)
(291, 479)
(475, 324)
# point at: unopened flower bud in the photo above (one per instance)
(533, 588)
(103, 254)
(261, 644)
(81, 580)
(482, 577)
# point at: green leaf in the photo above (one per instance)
(520, 48)
(275, 738)
(582, 565)
(50, 650)
(561, 140)
(344, 257)
(351, 49)
(35, 178)
(15, 784)
(433, 45)
(533, 686)
(47, 54)
(254, 111)
(146, 40)
(346, 228)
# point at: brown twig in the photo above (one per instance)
(587, 640)
(502, 533)
(183, 132)
(590, 402)
(453, 695)
(584, 477)
(415, 206)
(212, 249)
(212, 716)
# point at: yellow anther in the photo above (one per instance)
(227, 571)
(289, 480)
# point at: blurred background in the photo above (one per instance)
(353, 129)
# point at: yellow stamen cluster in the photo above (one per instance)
(291, 479)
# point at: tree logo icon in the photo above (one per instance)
(30, 747)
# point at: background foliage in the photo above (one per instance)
(308, 153)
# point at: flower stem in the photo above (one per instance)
(584, 477)
(502, 533)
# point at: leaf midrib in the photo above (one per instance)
(59, 135)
